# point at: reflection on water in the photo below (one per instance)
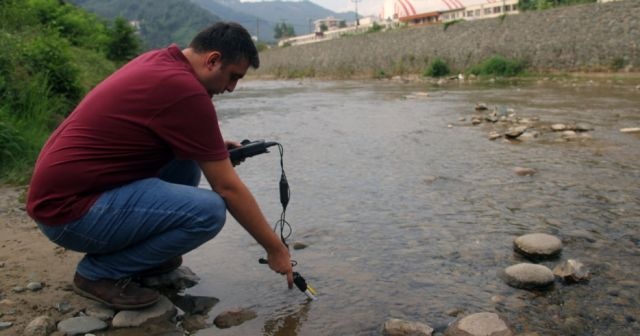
(408, 218)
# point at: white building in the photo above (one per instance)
(433, 11)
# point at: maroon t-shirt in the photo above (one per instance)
(144, 115)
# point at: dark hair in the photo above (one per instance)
(229, 38)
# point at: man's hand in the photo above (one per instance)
(232, 144)
(280, 262)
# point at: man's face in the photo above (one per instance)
(223, 76)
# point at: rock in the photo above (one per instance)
(63, 307)
(569, 135)
(480, 324)
(40, 326)
(521, 171)
(1, 264)
(476, 121)
(538, 245)
(180, 278)
(529, 135)
(18, 289)
(514, 132)
(630, 130)
(583, 127)
(397, 327)
(494, 135)
(233, 317)
(299, 246)
(449, 126)
(558, 127)
(164, 309)
(527, 276)
(194, 304)
(81, 325)
(34, 286)
(571, 271)
(99, 311)
(7, 303)
(5, 325)
(462, 119)
(192, 323)
(481, 107)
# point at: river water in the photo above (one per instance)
(410, 212)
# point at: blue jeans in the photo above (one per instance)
(140, 225)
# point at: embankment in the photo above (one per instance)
(592, 37)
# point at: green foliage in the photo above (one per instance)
(261, 46)
(123, 44)
(437, 68)
(323, 27)
(283, 30)
(52, 53)
(375, 27)
(447, 24)
(499, 66)
(545, 4)
(342, 24)
(617, 63)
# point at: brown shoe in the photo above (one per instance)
(118, 294)
(163, 268)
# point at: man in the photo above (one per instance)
(118, 178)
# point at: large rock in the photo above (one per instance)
(480, 324)
(194, 304)
(397, 327)
(233, 317)
(538, 245)
(81, 325)
(527, 276)
(100, 311)
(163, 309)
(40, 326)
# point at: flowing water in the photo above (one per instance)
(410, 212)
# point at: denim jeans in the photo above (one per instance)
(140, 225)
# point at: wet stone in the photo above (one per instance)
(194, 322)
(522, 171)
(398, 327)
(480, 324)
(179, 279)
(538, 245)
(194, 304)
(571, 271)
(163, 309)
(528, 276)
(81, 325)
(5, 325)
(40, 326)
(233, 317)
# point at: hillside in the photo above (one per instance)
(161, 21)
(262, 16)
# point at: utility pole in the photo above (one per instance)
(257, 28)
(357, 17)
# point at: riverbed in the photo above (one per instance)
(409, 211)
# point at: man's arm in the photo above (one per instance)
(244, 208)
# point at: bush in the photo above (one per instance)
(437, 68)
(499, 66)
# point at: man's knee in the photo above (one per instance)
(212, 214)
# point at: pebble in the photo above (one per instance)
(194, 304)
(522, 171)
(192, 323)
(18, 289)
(630, 130)
(481, 107)
(134, 318)
(558, 127)
(5, 325)
(527, 276)
(81, 325)
(1, 264)
(34, 286)
(397, 327)
(40, 326)
(480, 324)
(514, 132)
(494, 135)
(299, 246)
(538, 245)
(100, 311)
(63, 307)
(233, 317)
(571, 271)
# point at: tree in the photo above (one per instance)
(283, 30)
(323, 27)
(124, 44)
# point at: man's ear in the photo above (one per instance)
(212, 58)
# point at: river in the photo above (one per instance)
(409, 211)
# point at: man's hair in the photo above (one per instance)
(230, 39)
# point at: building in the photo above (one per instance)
(420, 12)
(330, 23)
